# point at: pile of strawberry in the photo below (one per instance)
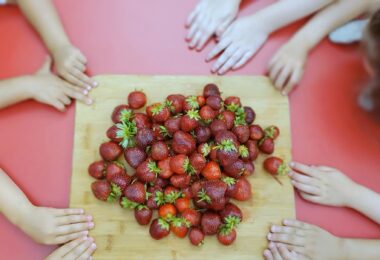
(191, 156)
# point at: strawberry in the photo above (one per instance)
(227, 152)
(147, 171)
(207, 113)
(240, 190)
(192, 216)
(180, 181)
(235, 169)
(159, 151)
(249, 168)
(179, 163)
(143, 214)
(196, 236)
(127, 204)
(160, 182)
(213, 153)
(158, 112)
(256, 132)
(250, 115)
(202, 133)
(253, 150)
(117, 113)
(156, 198)
(104, 191)
(204, 149)
(144, 137)
(228, 118)
(215, 102)
(226, 236)
(190, 103)
(211, 90)
(136, 99)
(201, 100)
(272, 132)
(211, 171)
(175, 103)
(182, 204)
(165, 170)
(173, 125)
(142, 120)
(244, 152)
(121, 180)
(97, 169)
(210, 223)
(114, 168)
(216, 126)
(275, 166)
(179, 227)
(190, 121)
(213, 192)
(110, 151)
(231, 210)
(135, 192)
(242, 133)
(186, 193)
(266, 145)
(232, 101)
(197, 162)
(171, 191)
(134, 156)
(126, 131)
(183, 143)
(159, 228)
(112, 134)
(167, 211)
(160, 132)
(226, 136)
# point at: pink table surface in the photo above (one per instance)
(147, 37)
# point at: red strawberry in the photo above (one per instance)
(227, 152)
(143, 214)
(159, 228)
(232, 100)
(114, 168)
(198, 162)
(160, 132)
(173, 125)
(165, 170)
(231, 210)
(201, 101)
(121, 180)
(266, 145)
(256, 132)
(204, 149)
(156, 198)
(97, 169)
(210, 223)
(182, 204)
(179, 227)
(272, 132)
(180, 181)
(159, 151)
(202, 133)
(196, 236)
(134, 156)
(190, 103)
(253, 150)
(142, 121)
(110, 151)
(158, 112)
(244, 152)
(171, 190)
(207, 113)
(117, 112)
(136, 99)
(241, 190)
(228, 118)
(242, 133)
(183, 143)
(175, 103)
(213, 153)
(112, 134)
(216, 126)
(147, 171)
(275, 166)
(213, 192)
(135, 192)
(160, 182)
(226, 236)
(225, 136)
(167, 211)
(211, 171)
(192, 216)
(249, 168)
(186, 193)
(215, 102)
(235, 170)
(190, 121)
(211, 90)
(144, 137)
(250, 115)
(179, 163)
(104, 191)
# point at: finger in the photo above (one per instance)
(89, 251)
(224, 57)
(80, 249)
(71, 219)
(66, 248)
(297, 224)
(326, 168)
(78, 96)
(193, 15)
(65, 212)
(209, 29)
(305, 169)
(284, 252)
(283, 76)
(73, 80)
(287, 230)
(231, 61)
(222, 28)
(273, 73)
(293, 249)
(64, 99)
(195, 39)
(218, 48)
(83, 78)
(274, 251)
(82, 58)
(243, 60)
(74, 228)
(268, 255)
(312, 190)
(56, 103)
(293, 81)
(286, 238)
(80, 66)
(302, 178)
(66, 238)
(194, 27)
(310, 197)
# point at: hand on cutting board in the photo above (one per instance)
(238, 44)
(280, 252)
(208, 18)
(81, 248)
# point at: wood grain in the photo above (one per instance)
(116, 232)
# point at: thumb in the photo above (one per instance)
(46, 67)
(222, 28)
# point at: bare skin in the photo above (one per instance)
(280, 252)
(81, 249)
(48, 226)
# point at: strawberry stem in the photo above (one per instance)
(202, 195)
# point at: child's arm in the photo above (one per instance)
(69, 61)
(287, 65)
(246, 35)
(44, 225)
(43, 87)
(366, 202)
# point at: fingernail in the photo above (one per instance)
(89, 218)
(269, 236)
(273, 228)
(88, 87)
(85, 238)
(90, 239)
(95, 84)
(91, 225)
(266, 252)
(89, 102)
(93, 245)
(292, 164)
(85, 92)
(81, 211)
(85, 233)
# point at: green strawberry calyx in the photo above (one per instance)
(232, 221)
(164, 132)
(169, 104)
(226, 145)
(193, 114)
(206, 149)
(159, 198)
(126, 131)
(283, 169)
(243, 151)
(152, 166)
(202, 195)
(189, 169)
(232, 107)
(173, 196)
(192, 101)
(128, 204)
(163, 224)
(157, 108)
(179, 222)
(229, 181)
(239, 117)
(269, 131)
(115, 193)
(125, 115)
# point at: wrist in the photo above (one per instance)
(21, 211)
(56, 48)
(355, 197)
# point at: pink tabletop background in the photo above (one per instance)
(147, 37)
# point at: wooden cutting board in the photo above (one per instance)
(117, 234)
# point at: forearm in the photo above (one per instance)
(14, 90)
(361, 249)
(44, 18)
(13, 202)
(331, 17)
(366, 202)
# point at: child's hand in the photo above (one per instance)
(280, 252)
(287, 66)
(71, 65)
(81, 248)
(49, 89)
(51, 226)
(238, 43)
(208, 18)
(322, 185)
